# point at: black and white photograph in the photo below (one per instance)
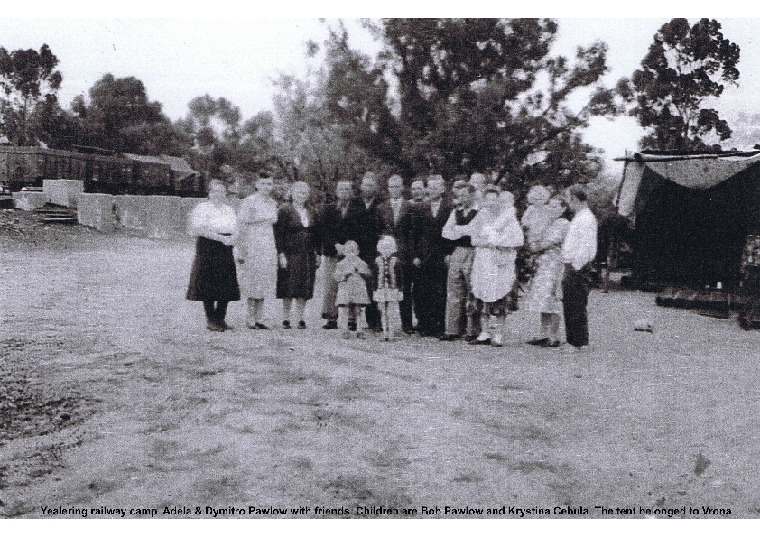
(416, 268)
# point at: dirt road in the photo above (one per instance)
(115, 397)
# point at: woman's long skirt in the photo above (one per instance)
(213, 276)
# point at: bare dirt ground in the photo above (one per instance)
(113, 395)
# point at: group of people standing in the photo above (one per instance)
(444, 259)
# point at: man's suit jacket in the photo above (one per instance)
(400, 228)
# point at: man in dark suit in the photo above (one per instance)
(337, 224)
(396, 217)
(429, 252)
(368, 227)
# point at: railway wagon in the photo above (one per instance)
(22, 166)
(189, 185)
(149, 177)
(100, 173)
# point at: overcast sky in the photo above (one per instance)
(236, 58)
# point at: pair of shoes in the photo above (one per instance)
(572, 349)
(286, 325)
(449, 337)
(481, 341)
(331, 325)
(539, 341)
(301, 325)
(214, 326)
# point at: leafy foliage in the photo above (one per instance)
(685, 65)
(335, 123)
(480, 94)
(120, 117)
(27, 78)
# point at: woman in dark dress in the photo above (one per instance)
(213, 278)
(297, 244)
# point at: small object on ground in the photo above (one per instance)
(642, 325)
(701, 465)
(261, 326)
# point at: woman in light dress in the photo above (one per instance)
(496, 235)
(213, 278)
(256, 251)
(545, 293)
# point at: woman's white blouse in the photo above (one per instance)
(210, 217)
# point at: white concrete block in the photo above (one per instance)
(163, 219)
(131, 211)
(96, 210)
(29, 201)
(62, 192)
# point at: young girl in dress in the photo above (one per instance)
(388, 278)
(351, 273)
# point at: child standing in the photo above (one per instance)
(389, 281)
(351, 273)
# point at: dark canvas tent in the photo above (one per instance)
(691, 214)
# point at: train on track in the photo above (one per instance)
(100, 171)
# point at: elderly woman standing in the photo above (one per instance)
(297, 243)
(256, 251)
(545, 294)
(496, 235)
(213, 279)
